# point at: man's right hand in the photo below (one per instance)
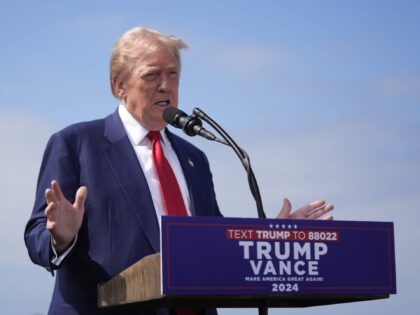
(63, 218)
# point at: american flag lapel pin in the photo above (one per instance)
(191, 162)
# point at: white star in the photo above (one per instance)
(283, 226)
(295, 226)
(289, 226)
(277, 226)
(271, 226)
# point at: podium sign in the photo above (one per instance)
(236, 256)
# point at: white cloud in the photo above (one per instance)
(251, 60)
(355, 163)
(23, 137)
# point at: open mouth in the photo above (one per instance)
(164, 103)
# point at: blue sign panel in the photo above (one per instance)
(235, 256)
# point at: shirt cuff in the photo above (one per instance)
(57, 260)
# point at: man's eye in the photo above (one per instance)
(149, 76)
(173, 74)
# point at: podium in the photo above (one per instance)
(234, 262)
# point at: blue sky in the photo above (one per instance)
(324, 96)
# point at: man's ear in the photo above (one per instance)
(119, 87)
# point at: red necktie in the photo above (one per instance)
(172, 197)
(171, 194)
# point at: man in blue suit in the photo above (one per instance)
(98, 200)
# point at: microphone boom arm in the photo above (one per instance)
(243, 156)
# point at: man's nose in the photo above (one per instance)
(163, 83)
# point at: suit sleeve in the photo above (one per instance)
(58, 163)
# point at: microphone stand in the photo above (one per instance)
(243, 156)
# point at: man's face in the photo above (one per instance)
(151, 88)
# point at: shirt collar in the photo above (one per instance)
(135, 131)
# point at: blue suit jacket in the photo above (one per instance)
(120, 224)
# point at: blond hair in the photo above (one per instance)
(135, 44)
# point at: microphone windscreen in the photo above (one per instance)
(169, 114)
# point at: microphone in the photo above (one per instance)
(191, 125)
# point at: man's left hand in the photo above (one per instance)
(312, 211)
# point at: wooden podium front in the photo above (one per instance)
(154, 281)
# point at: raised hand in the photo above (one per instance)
(63, 218)
(315, 210)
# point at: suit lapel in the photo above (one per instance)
(125, 166)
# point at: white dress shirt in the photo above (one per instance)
(143, 148)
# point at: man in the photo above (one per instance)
(100, 192)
